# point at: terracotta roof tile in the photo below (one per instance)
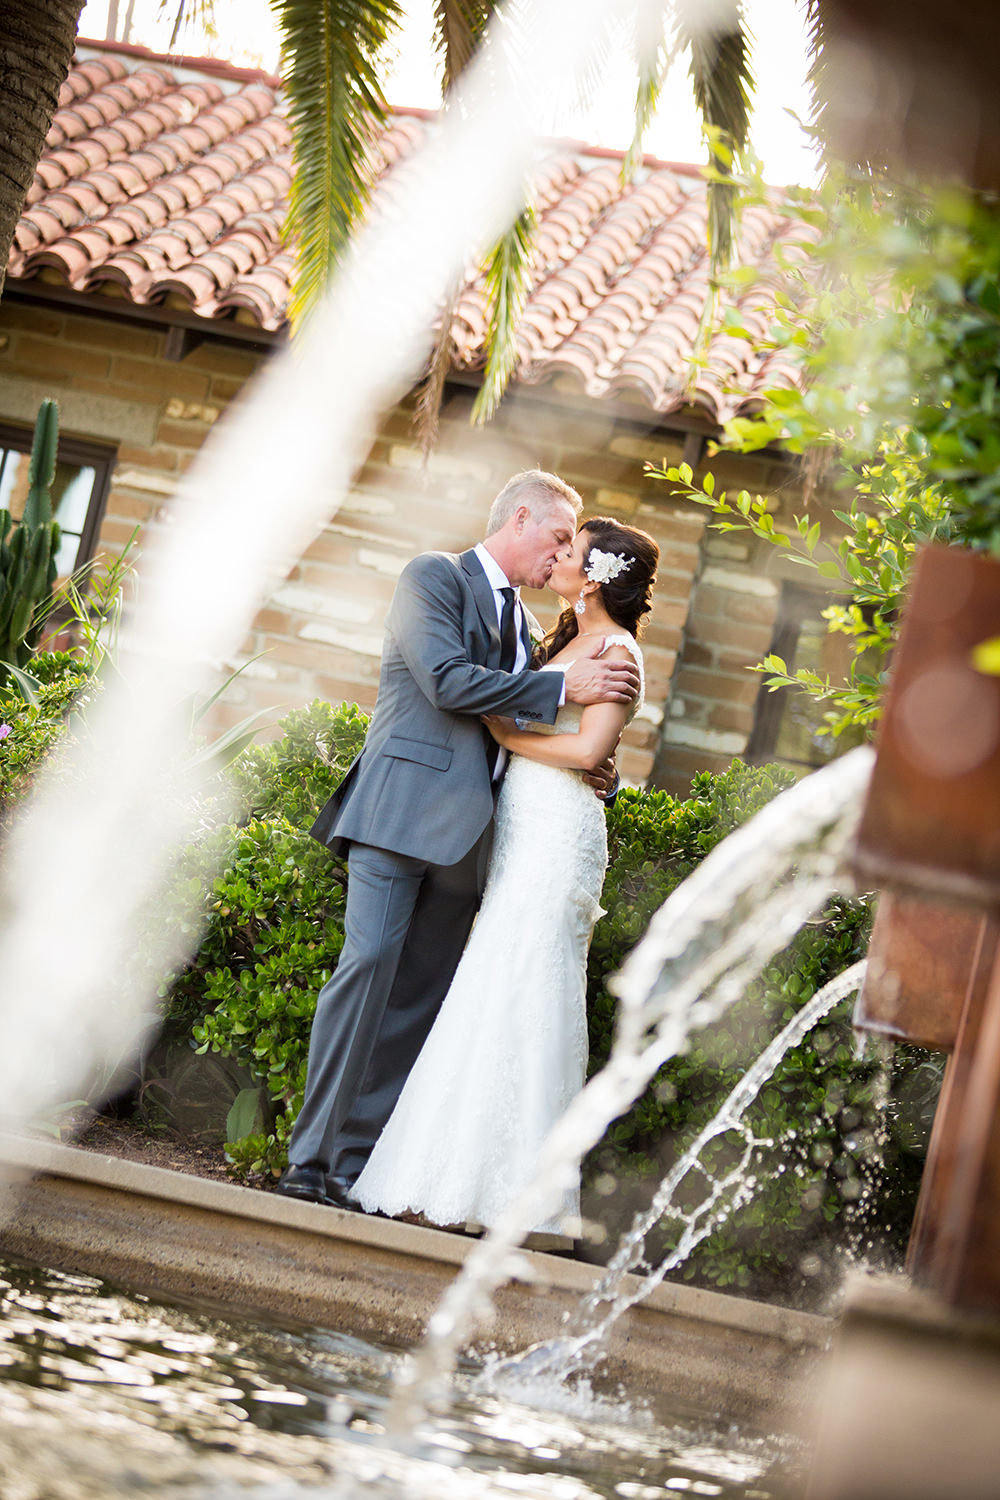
(128, 177)
(41, 227)
(85, 76)
(171, 185)
(69, 258)
(48, 175)
(84, 197)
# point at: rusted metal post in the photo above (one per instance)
(930, 838)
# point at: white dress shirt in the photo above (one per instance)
(498, 580)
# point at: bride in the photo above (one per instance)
(508, 1050)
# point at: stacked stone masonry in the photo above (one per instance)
(320, 632)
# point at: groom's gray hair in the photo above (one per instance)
(536, 489)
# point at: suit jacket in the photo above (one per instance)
(421, 786)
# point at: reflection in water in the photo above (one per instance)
(105, 1393)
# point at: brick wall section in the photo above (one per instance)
(114, 384)
(321, 630)
(730, 626)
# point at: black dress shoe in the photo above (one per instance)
(338, 1193)
(308, 1182)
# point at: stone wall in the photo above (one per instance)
(114, 385)
(321, 630)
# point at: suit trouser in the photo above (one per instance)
(405, 926)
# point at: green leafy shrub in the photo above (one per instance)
(274, 933)
(273, 920)
(274, 928)
(293, 776)
(34, 729)
(654, 842)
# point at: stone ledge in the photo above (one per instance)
(177, 1236)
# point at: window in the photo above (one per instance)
(788, 725)
(79, 489)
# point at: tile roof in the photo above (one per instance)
(166, 182)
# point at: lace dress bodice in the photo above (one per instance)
(569, 715)
(508, 1050)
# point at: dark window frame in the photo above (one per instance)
(101, 457)
(796, 605)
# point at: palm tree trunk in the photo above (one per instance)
(36, 47)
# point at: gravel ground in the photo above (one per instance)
(131, 1142)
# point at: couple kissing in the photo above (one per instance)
(438, 1060)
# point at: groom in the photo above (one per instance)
(415, 812)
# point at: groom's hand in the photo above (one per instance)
(590, 681)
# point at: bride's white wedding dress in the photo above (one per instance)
(508, 1050)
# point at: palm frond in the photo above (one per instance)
(459, 27)
(193, 14)
(428, 411)
(654, 55)
(723, 85)
(821, 18)
(507, 278)
(331, 60)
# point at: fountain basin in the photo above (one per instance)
(162, 1232)
(916, 1386)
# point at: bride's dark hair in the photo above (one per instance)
(627, 598)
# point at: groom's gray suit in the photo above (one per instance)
(415, 812)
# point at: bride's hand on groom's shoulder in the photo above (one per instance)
(589, 680)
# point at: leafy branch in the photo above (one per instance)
(889, 516)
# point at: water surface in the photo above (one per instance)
(107, 1393)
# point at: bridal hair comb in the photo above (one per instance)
(602, 567)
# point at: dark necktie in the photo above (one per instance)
(508, 632)
(508, 656)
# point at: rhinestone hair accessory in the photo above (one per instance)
(602, 567)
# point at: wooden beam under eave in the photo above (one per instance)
(147, 315)
(694, 449)
(181, 342)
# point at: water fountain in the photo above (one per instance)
(702, 948)
(136, 735)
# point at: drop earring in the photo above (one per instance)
(580, 607)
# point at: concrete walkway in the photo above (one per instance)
(176, 1236)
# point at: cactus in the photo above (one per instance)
(42, 466)
(28, 549)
